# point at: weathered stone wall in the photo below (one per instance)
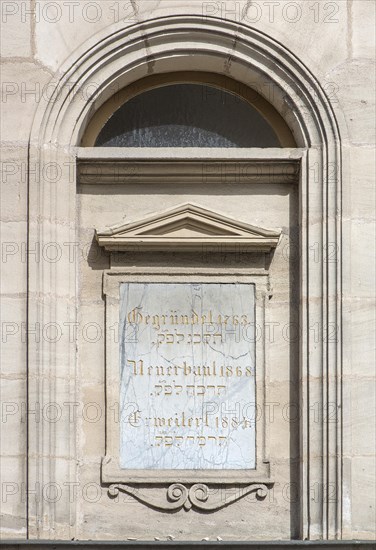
(335, 40)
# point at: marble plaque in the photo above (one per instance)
(187, 360)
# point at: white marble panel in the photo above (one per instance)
(187, 360)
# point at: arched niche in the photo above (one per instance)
(101, 68)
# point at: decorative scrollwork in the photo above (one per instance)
(198, 496)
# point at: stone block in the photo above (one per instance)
(359, 330)
(14, 167)
(23, 88)
(362, 419)
(13, 418)
(362, 260)
(91, 335)
(92, 422)
(73, 23)
(13, 503)
(13, 337)
(352, 95)
(363, 497)
(360, 195)
(363, 26)
(16, 28)
(13, 257)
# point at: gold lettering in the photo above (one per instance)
(137, 369)
(159, 422)
(186, 369)
(194, 318)
(173, 318)
(135, 316)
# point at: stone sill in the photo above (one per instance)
(222, 545)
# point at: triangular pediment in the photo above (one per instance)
(186, 227)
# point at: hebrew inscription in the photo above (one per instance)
(187, 360)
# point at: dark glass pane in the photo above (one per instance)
(187, 115)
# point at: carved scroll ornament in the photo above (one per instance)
(198, 496)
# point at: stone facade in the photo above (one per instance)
(59, 62)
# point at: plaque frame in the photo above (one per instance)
(111, 473)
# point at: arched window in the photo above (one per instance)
(187, 115)
(188, 110)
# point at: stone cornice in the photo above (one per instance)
(114, 166)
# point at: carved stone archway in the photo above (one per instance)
(86, 81)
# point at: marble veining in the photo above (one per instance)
(187, 361)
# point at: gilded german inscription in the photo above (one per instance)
(187, 358)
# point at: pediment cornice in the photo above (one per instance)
(187, 227)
